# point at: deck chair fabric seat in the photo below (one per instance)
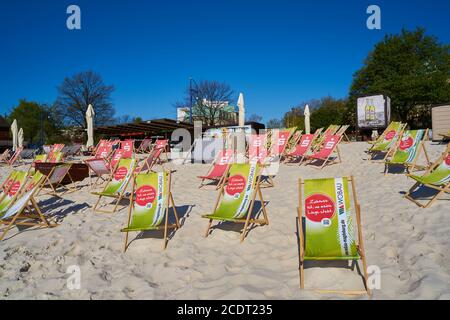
(150, 203)
(436, 177)
(237, 197)
(219, 167)
(117, 184)
(408, 149)
(330, 231)
(55, 177)
(329, 147)
(387, 142)
(14, 188)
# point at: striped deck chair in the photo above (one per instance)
(54, 180)
(236, 199)
(150, 202)
(408, 150)
(143, 147)
(301, 150)
(436, 177)
(293, 141)
(25, 210)
(55, 157)
(218, 168)
(327, 227)
(15, 187)
(117, 184)
(330, 148)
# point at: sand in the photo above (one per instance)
(409, 245)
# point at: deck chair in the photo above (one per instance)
(331, 130)
(163, 146)
(15, 186)
(436, 177)
(408, 149)
(54, 180)
(127, 147)
(5, 156)
(99, 168)
(15, 157)
(117, 184)
(329, 148)
(341, 132)
(150, 201)
(237, 196)
(301, 150)
(256, 146)
(218, 168)
(149, 161)
(392, 126)
(101, 144)
(326, 225)
(143, 147)
(293, 141)
(6, 184)
(279, 141)
(55, 157)
(25, 211)
(387, 141)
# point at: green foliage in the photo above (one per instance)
(412, 69)
(326, 111)
(30, 115)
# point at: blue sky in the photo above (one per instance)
(278, 53)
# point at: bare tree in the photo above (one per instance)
(209, 103)
(80, 90)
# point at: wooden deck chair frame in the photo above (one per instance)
(247, 221)
(289, 159)
(341, 132)
(441, 189)
(359, 245)
(327, 160)
(25, 213)
(410, 167)
(54, 186)
(166, 226)
(146, 166)
(5, 155)
(15, 157)
(295, 138)
(118, 197)
(143, 148)
(331, 130)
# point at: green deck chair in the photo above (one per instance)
(117, 183)
(436, 177)
(14, 190)
(328, 232)
(25, 210)
(387, 142)
(237, 196)
(149, 205)
(408, 150)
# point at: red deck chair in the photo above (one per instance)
(257, 142)
(301, 150)
(279, 143)
(329, 146)
(15, 157)
(218, 168)
(127, 147)
(162, 146)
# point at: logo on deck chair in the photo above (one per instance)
(121, 173)
(14, 188)
(447, 160)
(320, 208)
(145, 196)
(406, 143)
(236, 184)
(390, 135)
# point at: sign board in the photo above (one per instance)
(373, 112)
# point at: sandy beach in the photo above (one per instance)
(410, 245)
